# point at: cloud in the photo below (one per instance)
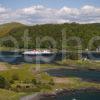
(39, 14)
(4, 14)
(2, 9)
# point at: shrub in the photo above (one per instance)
(51, 82)
(15, 77)
(2, 82)
(34, 81)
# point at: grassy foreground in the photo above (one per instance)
(24, 79)
(9, 95)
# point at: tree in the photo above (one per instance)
(2, 82)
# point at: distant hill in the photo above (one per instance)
(6, 28)
(83, 31)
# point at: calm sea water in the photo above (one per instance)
(18, 57)
(79, 96)
(75, 96)
(87, 75)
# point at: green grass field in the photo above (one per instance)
(10, 95)
(27, 72)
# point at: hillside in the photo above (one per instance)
(83, 31)
(6, 28)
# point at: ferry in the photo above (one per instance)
(38, 56)
(37, 52)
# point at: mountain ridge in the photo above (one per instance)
(83, 31)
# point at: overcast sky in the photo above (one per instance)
(49, 11)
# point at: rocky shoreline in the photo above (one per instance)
(59, 92)
(53, 95)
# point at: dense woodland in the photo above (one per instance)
(83, 31)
